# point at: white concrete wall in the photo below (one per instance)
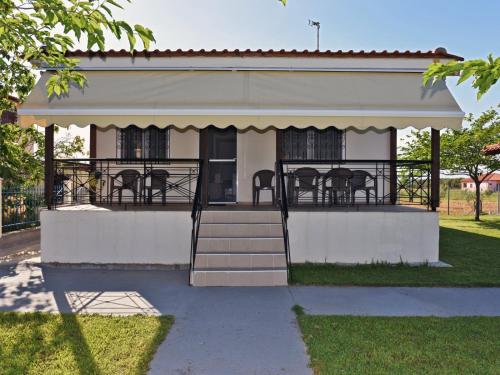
(120, 237)
(255, 151)
(363, 237)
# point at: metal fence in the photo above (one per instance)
(21, 207)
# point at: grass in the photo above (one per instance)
(38, 343)
(472, 248)
(410, 345)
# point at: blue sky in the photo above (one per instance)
(467, 28)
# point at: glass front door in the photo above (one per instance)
(221, 165)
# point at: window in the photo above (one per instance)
(312, 144)
(135, 143)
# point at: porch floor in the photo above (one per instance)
(244, 206)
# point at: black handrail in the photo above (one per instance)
(283, 205)
(195, 217)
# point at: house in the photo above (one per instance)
(489, 183)
(183, 143)
(493, 149)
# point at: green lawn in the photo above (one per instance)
(472, 248)
(36, 343)
(410, 345)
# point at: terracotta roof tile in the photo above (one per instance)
(437, 53)
(490, 178)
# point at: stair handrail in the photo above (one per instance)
(283, 205)
(195, 217)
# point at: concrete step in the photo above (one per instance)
(240, 230)
(254, 277)
(240, 245)
(242, 260)
(263, 217)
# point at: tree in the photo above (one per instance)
(22, 152)
(485, 73)
(42, 31)
(461, 150)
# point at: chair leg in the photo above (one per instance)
(253, 196)
(258, 196)
(273, 196)
(120, 196)
(367, 192)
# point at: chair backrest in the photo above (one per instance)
(158, 178)
(130, 178)
(339, 177)
(359, 179)
(265, 178)
(307, 177)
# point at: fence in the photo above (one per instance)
(21, 207)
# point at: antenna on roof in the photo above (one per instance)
(317, 25)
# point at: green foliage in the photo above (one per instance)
(22, 153)
(40, 32)
(485, 73)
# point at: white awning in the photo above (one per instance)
(244, 99)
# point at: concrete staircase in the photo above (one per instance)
(240, 248)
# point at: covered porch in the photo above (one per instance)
(236, 174)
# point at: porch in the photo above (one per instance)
(242, 169)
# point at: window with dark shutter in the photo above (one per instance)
(312, 144)
(135, 143)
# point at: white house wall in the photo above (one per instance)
(183, 143)
(363, 237)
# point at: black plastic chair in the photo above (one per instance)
(158, 181)
(306, 180)
(359, 182)
(129, 179)
(265, 178)
(339, 187)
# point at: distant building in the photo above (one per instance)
(493, 149)
(490, 183)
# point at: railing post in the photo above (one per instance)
(49, 165)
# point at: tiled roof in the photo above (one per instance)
(491, 178)
(493, 149)
(437, 53)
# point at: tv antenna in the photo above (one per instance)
(315, 24)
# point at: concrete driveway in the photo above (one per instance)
(224, 330)
(19, 245)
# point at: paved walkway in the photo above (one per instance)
(224, 330)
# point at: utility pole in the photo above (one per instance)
(315, 24)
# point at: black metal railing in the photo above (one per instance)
(282, 202)
(333, 183)
(138, 182)
(21, 207)
(196, 218)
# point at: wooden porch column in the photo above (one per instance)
(435, 168)
(279, 135)
(93, 140)
(393, 156)
(203, 155)
(49, 165)
(93, 155)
